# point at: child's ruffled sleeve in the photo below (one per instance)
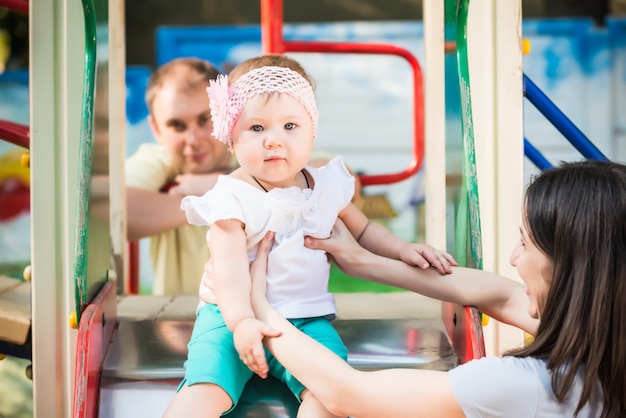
(340, 175)
(216, 204)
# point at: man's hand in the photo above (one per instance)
(194, 184)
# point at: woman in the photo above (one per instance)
(571, 257)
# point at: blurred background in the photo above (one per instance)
(143, 17)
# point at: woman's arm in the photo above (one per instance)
(150, 213)
(342, 389)
(503, 299)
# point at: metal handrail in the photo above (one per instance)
(272, 41)
(560, 121)
(15, 133)
(19, 6)
(534, 155)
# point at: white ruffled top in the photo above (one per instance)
(297, 276)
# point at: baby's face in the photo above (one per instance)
(273, 138)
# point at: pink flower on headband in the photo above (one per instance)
(222, 114)
(226, 102)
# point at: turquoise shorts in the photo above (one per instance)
(212, 357)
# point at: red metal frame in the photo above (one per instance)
(20, 6)
(464, 328)
(15, 133)
(133, 268)
(95, 332)
(14, 200)
(272, 41)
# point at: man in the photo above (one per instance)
(185, 154)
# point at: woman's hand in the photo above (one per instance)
(341, 245)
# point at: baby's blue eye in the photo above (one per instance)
(257, 128)
(289, 126)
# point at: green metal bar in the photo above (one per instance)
(469, 196)
(85, 159)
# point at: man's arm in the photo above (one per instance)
(150, 213)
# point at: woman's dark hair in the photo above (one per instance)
(576, 215)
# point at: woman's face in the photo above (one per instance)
(535, 269)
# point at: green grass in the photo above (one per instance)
(342, 283)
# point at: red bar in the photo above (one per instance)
(95, 331)
(19, 6)
(133, 268)
(273, 43)
(418, 97)
(272, 27)
(15, 133)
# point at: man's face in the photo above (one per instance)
(181, 122)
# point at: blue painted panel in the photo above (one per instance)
(617, 35)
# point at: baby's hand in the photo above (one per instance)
(248, 338)
(425, 256)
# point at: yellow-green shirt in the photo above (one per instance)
(178, 255)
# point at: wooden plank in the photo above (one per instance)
(140, 307)
(395, 305)
(8, 283)
(15, 314)
(181, 307)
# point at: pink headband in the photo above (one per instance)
(226, 103)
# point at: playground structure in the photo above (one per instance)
(79, 265)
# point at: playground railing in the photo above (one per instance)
(561, 122)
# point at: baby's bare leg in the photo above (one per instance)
(202, 400)
(311, 407)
